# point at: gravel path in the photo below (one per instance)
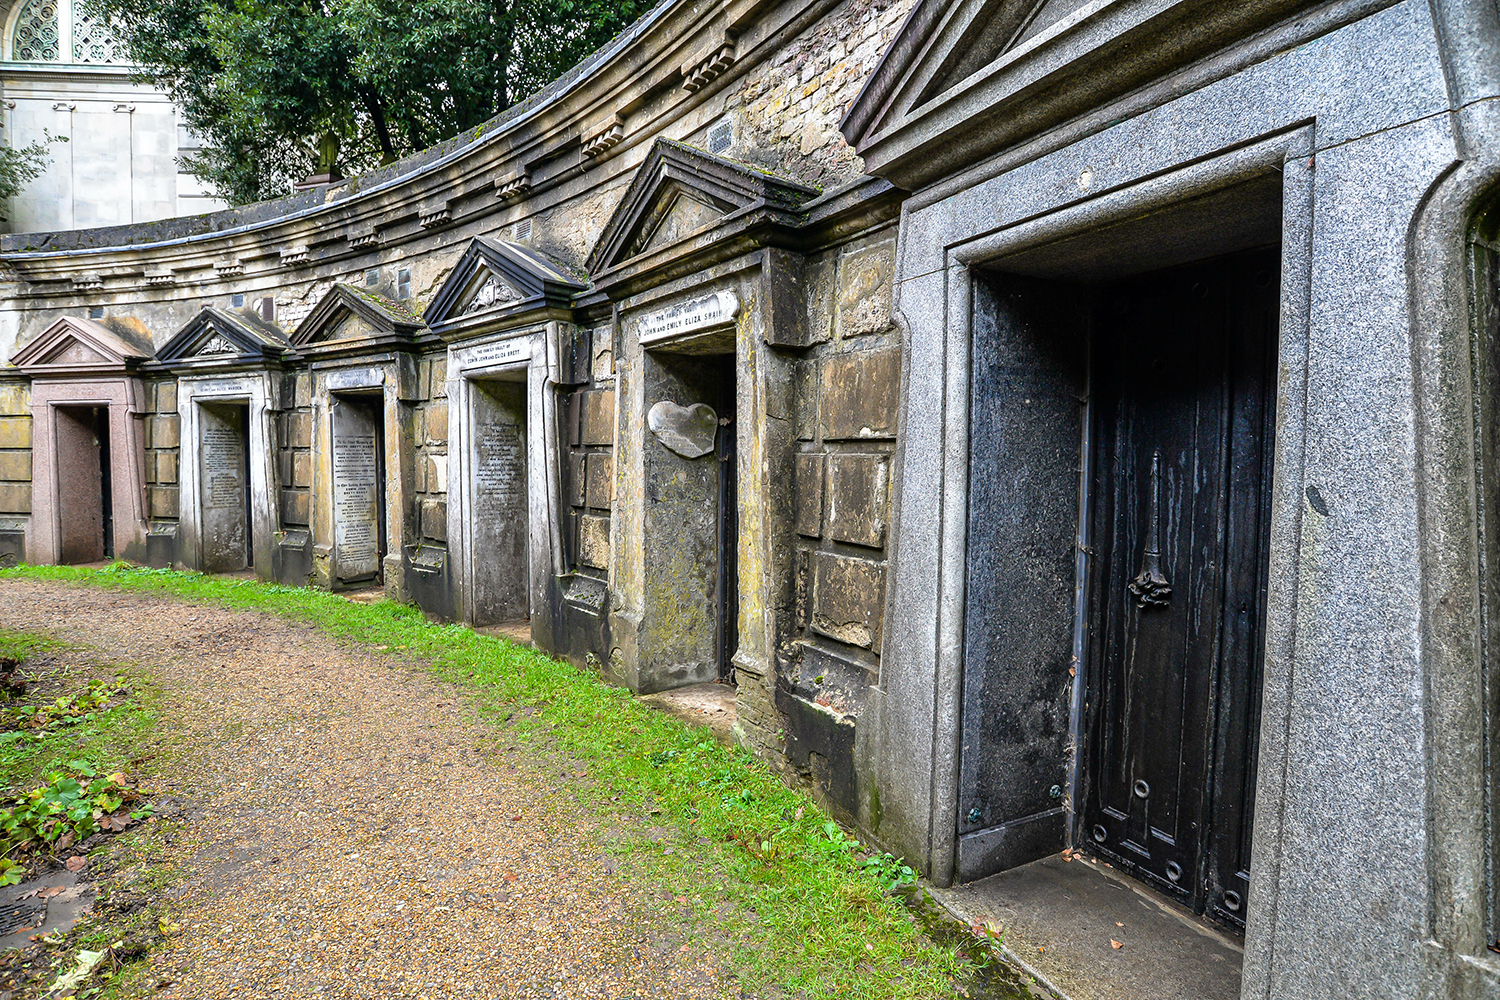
(359, 834)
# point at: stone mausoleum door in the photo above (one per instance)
(227, 366)
(84, 494)
(1183, 375)
(358, 486)
(88, 462)
(500, 501)
(224, 486)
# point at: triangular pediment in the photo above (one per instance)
(348, 316)
(495, 279)
(74, 346)
(215, 337)
(964, 80)
(680, 191)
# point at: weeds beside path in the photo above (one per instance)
(398, 809)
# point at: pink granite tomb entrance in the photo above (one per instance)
(88, 456)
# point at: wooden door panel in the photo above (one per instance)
(1179, 438)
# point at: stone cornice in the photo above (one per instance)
(914, 127)
(539, 140)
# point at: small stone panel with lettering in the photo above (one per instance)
(688, 317)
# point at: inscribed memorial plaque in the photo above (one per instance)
(500, 509)
(357, 491)
(223, 512)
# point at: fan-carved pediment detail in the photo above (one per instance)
(494, 278)
(492, 292)
(216, 345)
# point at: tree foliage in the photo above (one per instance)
(268, 84)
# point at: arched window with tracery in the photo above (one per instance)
(62, 31)
(37, 32)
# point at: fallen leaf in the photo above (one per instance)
(51, 891)
(64, 842)
(75, 864)
(1116, 945)
(27, 895)
(1118, 924)
(168, 930)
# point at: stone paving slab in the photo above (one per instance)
(1060, 917)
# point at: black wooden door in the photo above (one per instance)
(1183, 378)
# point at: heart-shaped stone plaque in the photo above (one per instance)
(687, 430)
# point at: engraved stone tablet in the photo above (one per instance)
(357, 491)
(688, 317)
(500, 512)
(222, 487)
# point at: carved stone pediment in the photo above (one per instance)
(679, 192)
(349, 319)
(215, 338)
(495, 279)
(490, 292)
(966, 79)
(73, 346)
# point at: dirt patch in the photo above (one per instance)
(357, 834)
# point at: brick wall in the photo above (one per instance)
(787, 112)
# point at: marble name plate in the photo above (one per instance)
(499, 353)
(356, 378)
(688, 317)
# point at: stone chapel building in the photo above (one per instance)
(1068, 424)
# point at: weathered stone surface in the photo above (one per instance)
(577, 479)
(435, 520)
(440, 378)
(599, 417)
(857, 489)
(847, 594)
(809, 495)
(15, 400)
(15, 498)
(165, 430)
(296, 506)
(299, 429)
(690, 431)
(864, 289)
(301, 469)
(15, 432)
(593, 541)
(303, 390)
(859, 395)
(166, 397)
(164, 501)
(601, 480)
(15, 466)
(437, 423)
(166, 467)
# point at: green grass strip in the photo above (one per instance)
(782, 893)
